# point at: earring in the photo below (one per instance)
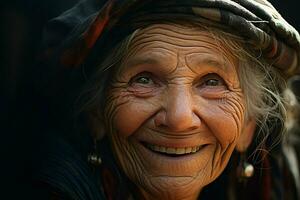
(245, 170)
(94, 158)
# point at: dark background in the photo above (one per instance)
(21, 108)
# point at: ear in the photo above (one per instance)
(246, 136)
(95, 124)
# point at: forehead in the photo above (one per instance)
(168, 42)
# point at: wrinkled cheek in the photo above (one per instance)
(226, 135)
(228, 131)
(124, 154)
(127, 157)
(224, 128)
(129, 115)
(124, 122)
(225, 123)
(117, 112)
(231, 123)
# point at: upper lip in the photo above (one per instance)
(178, 140)
(170, 134)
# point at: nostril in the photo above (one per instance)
(178, 112)
(160, 119)
(178, 122)
(183, 121)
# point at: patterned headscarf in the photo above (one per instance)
(72, 36)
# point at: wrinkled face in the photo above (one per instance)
(175, 111)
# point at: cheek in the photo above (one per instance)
(127, 113)
(225, 119)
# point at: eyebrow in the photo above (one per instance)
(222, 64)
(143, 60)
(214, 62)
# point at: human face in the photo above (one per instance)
(174, 111)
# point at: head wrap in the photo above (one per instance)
(71, 36)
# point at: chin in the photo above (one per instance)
(163, 187)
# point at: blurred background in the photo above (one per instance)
(21, 108)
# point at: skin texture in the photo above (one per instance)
(177, 87)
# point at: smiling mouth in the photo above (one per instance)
(171, 151)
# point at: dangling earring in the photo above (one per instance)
(94, 158)
(245, 170)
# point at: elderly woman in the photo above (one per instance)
(169, 100)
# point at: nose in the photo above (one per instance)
(179, 112)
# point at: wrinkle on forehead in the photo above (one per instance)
(173, 45)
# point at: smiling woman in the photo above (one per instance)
(177, 105)
(174, 146)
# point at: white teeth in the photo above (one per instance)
(188, 150)
(162, 149)
(180, 151)
(194, 149)
(170, 150)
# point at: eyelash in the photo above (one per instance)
(146, 75)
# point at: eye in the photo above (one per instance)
(212, 80)
(143, 79)
(143, 85)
